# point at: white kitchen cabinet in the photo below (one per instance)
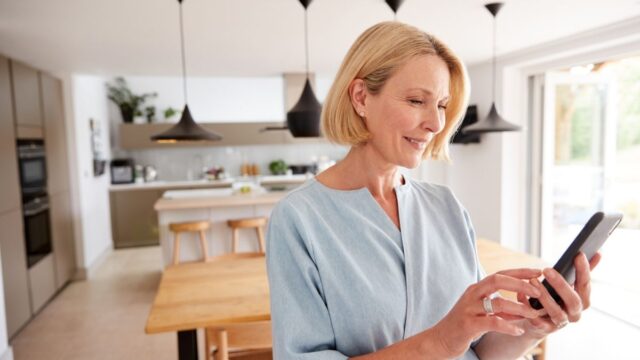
(62, 237)
(14, 271)
(58, 179)
(26, 95)
(9, 178)
(55, 138)
(42, 282)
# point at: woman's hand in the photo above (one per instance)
(576, 298)
(468, 319)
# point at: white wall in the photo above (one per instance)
(216, 99)
(222, 99)
(86, 99)
(490, 177)
(475, 171)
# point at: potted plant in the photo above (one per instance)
(128, 102)
(170, 112)
(150, 113)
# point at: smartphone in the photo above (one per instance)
(589, 240)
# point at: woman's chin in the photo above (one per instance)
(410, 163)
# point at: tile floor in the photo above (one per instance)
(104, 319)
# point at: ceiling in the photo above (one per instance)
(266, 37)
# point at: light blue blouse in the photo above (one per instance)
(344, 281)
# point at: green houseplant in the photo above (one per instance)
(129, 103)
(170, 112)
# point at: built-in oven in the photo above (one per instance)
(33, 168)
(35, 202)
(37, 228)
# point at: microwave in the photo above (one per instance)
(32, 167)
(122, 171)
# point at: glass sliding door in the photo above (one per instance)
(590, 161)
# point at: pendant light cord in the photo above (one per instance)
(306, 43)
(493, 88)
(184, 66)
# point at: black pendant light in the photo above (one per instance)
(493, 122)
(394, 5)
(186, 129)
(303, 120)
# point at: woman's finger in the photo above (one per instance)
(555, 312)
(595, 260)
(570, 298)
(523, 273)
(495, 323)
(506, 308)
(496, 282)
(583, 277)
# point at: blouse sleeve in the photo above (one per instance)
(480, 273)
(300, 319)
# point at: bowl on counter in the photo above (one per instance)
(300, 169)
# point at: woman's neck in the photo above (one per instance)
(365, 167)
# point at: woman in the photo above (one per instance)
(366, 263)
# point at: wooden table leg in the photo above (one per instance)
(188, 345)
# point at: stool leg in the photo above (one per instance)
(234, 240)
(203, 243)
(223, 346)
(260, 238)
(208, 354)
(176, 249)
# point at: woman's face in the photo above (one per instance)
(409, 110)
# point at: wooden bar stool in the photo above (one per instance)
(191, 226)
(252, 223)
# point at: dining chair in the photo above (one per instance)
(238, 340)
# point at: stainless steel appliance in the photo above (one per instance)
(37, 229)
(35, 202)
(33, 167)
(122, 171)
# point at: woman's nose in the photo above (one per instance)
(433, 120)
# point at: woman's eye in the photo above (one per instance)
(443, 107)
(416, 101)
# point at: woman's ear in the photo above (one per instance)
(358, 95)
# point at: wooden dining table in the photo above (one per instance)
(191, 296)
(233, 289)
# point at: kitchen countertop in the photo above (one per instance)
(195, 199)
(159, 185)
(171, 185)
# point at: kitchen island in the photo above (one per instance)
(216, 206)
(134, 221)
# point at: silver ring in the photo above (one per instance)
(488, 307)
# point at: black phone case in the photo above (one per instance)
(565, 265)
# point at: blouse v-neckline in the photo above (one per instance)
(379, 211)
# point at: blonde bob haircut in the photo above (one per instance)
(374, 57)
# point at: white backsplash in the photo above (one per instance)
(187, 163)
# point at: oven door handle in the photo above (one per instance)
(32, 212)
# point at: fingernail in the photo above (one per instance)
(549, 273)
(520, 331)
